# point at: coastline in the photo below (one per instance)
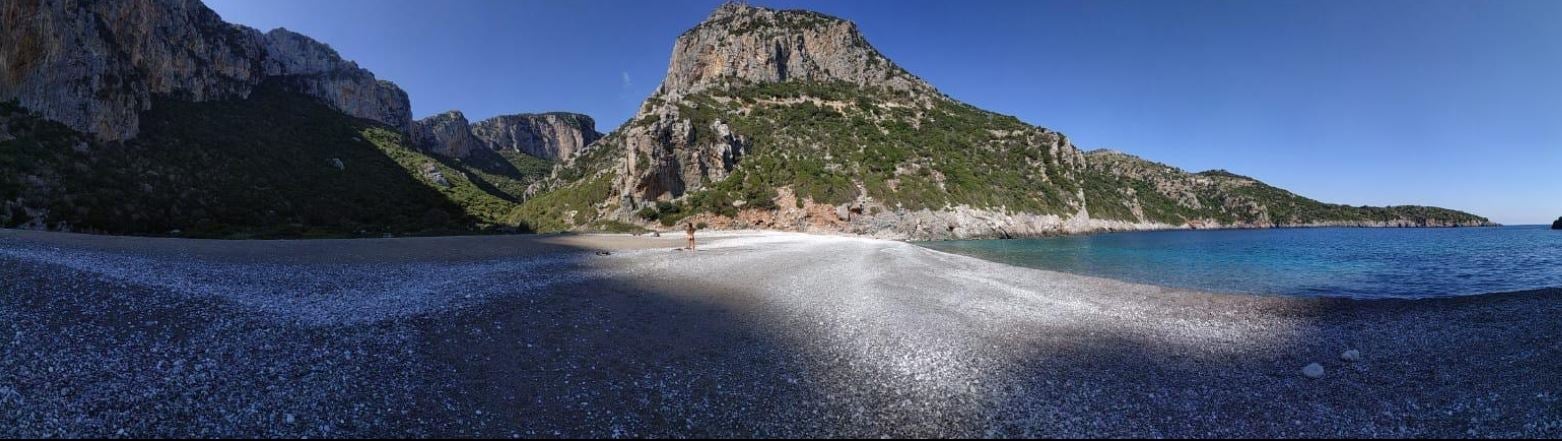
(1224, 227)
(959, 223)
(757, 334)
(966, 223)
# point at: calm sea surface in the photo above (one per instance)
(1355, 262)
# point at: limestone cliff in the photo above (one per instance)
(317, 70)
(758, 45)
(551, 136)
(95, 65)
(546, 136)
(447, 134)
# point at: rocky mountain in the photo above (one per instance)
(448, 134)
(551, 136)
(546, 136)
(95, 66)
(156, 117)
(791, 120)
(275, 164)
(759, 45)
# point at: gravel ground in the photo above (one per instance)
(756, 334)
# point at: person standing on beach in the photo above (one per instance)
(689, 231)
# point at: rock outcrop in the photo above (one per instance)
(317, 70)
(548, 136)
(672, 156)
(1557, 225)
(447, 134)
(758, 45)
(551, 136)
(95, 65)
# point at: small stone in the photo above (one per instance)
(287, 418)
(1351, 355)
(1313, 370)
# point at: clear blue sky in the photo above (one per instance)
(1449, 103)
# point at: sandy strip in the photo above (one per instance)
(756, 334)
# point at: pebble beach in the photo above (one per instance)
(756, 334)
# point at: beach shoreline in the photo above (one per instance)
(756, 334)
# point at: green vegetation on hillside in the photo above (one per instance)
(564, 208)
(485, 186)
(277, 164)
(833, 142)
(824, 139)
(280, 164)
(1115, 181)
(838, 143)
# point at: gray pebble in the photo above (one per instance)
(1313, 370)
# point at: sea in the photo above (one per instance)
(1337, 262)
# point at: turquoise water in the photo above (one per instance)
(1353, 262)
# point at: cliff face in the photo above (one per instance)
(760, 45)
(95, 65)
(551, 136)
(314, 69)
(547, 136)
(790, 120)
(447, 134)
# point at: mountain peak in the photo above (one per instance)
(739, 43)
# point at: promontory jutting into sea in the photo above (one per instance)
(212, 231)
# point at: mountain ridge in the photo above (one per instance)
(791, 120)
(95, 66)
(774, 119)
(82, 81)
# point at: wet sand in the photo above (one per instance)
(756, 334)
